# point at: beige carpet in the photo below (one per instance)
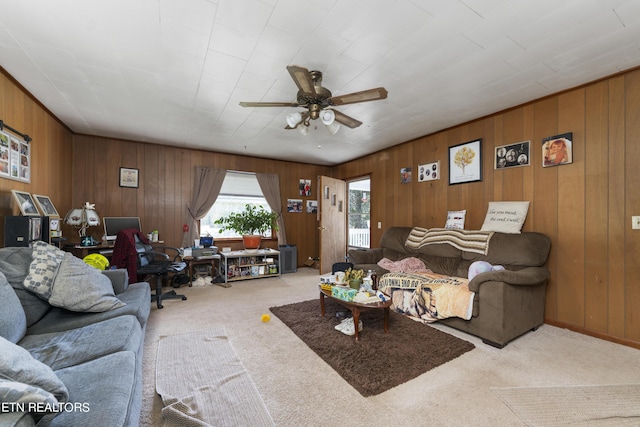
(211, 387)
(599, 405)
(299, 389)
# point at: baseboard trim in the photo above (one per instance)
(595, 334)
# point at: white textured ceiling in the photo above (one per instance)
(173, 71)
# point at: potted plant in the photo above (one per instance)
(251, 224)
(353, 278)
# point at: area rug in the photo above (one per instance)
(591, 405)
(379, 361)
(202, 382)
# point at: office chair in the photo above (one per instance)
(158, 264)
(341, 266)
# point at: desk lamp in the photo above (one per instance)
(83, 218)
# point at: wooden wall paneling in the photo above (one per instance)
(512, 186)
(404, 193)
(480, 193)
(596, 206)
(571, 217)
(455, 197)
(632, 207)
(534, 161)
(126, 200)
(616, 208)
(544, 207)
(497, 141)
(168, 208)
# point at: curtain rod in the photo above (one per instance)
(24, 136)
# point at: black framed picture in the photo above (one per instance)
(465, 162)
(512, 155)
(129, 177)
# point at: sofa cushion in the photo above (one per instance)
(505, 217)
(14, 263)
(13, 321)
(45, 261)
(63, 349)
(80, 287)
(17, 364)
(26, 394)
(137, 298)
(393, 239)
(529, 249)
(106, 388)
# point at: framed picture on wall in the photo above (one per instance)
(129, 177)
(512, 155)
(465, 162)
(557, 150)
(25, 203)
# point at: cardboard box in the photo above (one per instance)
(313, 263)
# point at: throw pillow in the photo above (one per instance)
(80, 287)
(455, 219)
(43, 269)
(505, 217)
(17, 364)
(26, 394)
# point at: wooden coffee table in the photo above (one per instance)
(356, 308)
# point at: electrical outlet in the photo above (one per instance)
(379, 225)
(635, 222)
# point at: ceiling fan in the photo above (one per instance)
(318, 100)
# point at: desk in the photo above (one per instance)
(191, 262)
(82, 251)
(105, 249)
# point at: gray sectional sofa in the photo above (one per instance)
(70, 355)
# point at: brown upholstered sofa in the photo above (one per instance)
(507, 303)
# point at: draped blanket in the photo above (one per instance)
(466, 240)
(428, 296)
(407, 265)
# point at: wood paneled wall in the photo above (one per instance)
(585, 207)
(51, 161)
(166, 185)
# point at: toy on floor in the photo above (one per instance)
(265, 318)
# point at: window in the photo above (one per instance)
(238, 189)
(359, 216)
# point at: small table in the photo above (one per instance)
(191, 262)
(356, 308)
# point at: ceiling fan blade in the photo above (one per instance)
(302, 78)
(269, 104)
(346, 120)
(362, 96)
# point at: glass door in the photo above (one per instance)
(359, 212)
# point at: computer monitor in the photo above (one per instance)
(113, 225)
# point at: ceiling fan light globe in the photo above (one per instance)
(327, 117)
(293, 119)
(303, 130)
(333, 128)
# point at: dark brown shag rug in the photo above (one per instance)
(379, 361)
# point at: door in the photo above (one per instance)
(332, 207)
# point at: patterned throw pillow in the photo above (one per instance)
(43, 269)
(455, 219)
